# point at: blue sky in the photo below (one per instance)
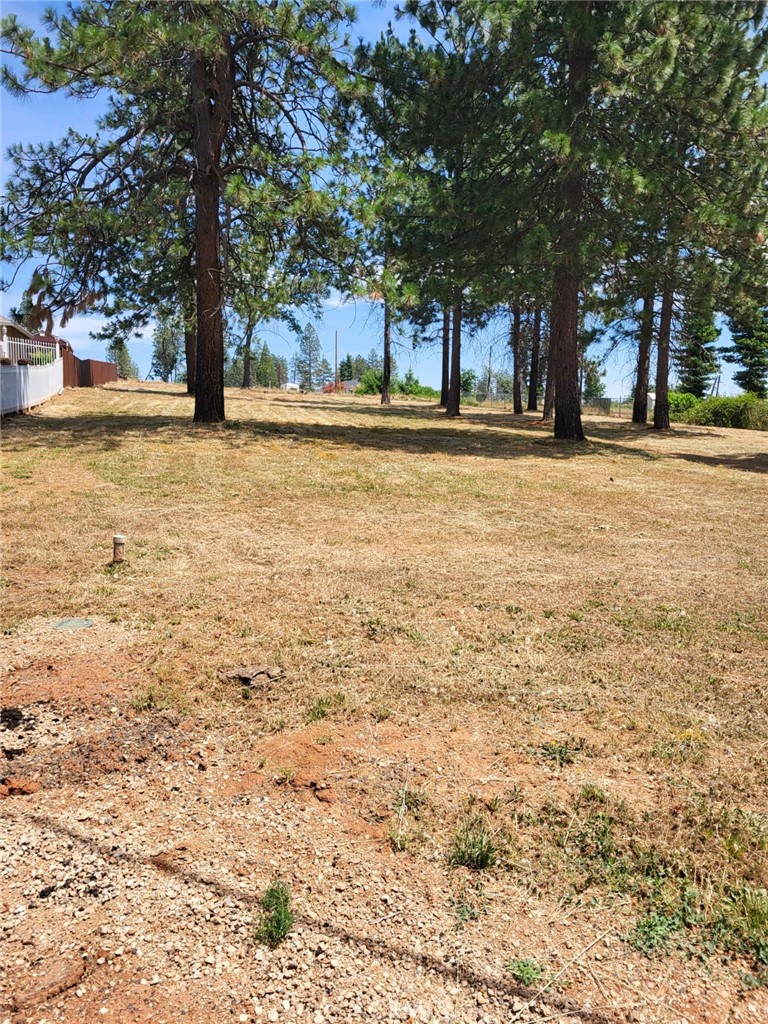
(359, 324)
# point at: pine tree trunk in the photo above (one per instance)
(640, 405)
(247, 358)
(564, 347)
(453, 405)
(387, 369)
(517, 378)
(565, 355)
(209, 379)
(533, 380)
(446, 376)
(661, 408)
(212, 104)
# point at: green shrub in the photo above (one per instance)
(370, 383)
(744, 412)
(681, 401)
(276, 918)
(410, 385)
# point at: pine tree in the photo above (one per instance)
(117, 352)
(236, 98)
(359, 365)
(167, 347)
(308, 364)
(593, 386)
(696, 353)
(749, 333)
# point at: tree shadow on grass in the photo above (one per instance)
(385, 950)
(106, 432)
(609, 429)
(757, 463)
(495, 441)
(166, 392)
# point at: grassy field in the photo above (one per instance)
(584, 628)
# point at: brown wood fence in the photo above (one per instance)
(86, 373)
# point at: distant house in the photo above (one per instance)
(18, 345)
(289, 386)
(349, 385)
(31, 371)
(34, 367)
(52, 340)
(11, 334)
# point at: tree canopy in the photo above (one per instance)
(560, 161)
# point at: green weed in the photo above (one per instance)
(276, 918)
(323, 707)
(527, 972)
(474, 845)
(562, 752)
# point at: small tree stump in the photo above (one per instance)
(118, 548)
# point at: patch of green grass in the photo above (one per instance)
(688, 747)
(404, 839)
(153, 697)
(465, 912)
(469, 903)
(277, 917)
(527, 972)
(745, 912)
(408, 802)
(323, 706)
(115, 568)
(474, 845)
(672, 619)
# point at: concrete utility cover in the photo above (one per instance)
(69, 625)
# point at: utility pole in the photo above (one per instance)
(336, 362)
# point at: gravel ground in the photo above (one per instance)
(135, 848)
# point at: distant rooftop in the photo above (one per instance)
(12, 328)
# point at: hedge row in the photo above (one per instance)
(747, 412)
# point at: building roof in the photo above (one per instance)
(13, 329)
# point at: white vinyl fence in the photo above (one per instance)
(22, 387)
(24, 350)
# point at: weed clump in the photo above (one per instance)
(474, 845)
(276, 919)
(562, 752)
(154, 698)
(527, 972)
(323, 706)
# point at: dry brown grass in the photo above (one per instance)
(471, 577)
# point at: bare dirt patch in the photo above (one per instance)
(468, 623)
